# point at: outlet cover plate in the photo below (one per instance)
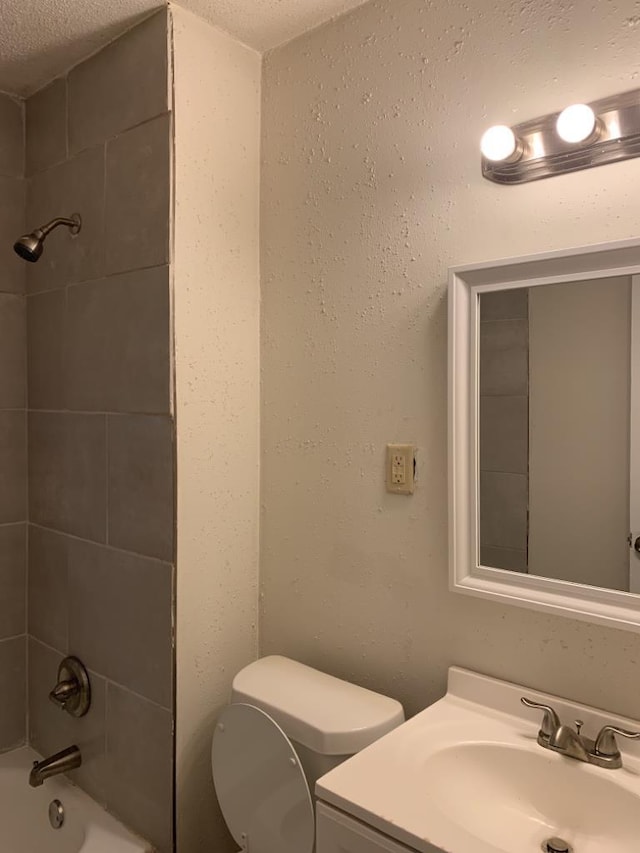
(400, 469)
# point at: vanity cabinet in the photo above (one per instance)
(338, 833)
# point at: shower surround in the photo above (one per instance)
(85, 352)
(13, 492)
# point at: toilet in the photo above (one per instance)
(287, 725)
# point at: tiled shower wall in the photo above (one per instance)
(100, 431)
(504, 429)
(12, 430)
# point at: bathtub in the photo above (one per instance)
(24, 815)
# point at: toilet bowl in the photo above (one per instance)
(287, 725)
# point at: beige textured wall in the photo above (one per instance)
(580, 375)
(371, 190)
(217, 302)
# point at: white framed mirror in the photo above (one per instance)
(544, 432)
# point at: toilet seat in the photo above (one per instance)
(260, 784)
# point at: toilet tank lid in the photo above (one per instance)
(323, 713)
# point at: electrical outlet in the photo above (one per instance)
(400, 468)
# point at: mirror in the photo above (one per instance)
(545, 432)
(555, 402)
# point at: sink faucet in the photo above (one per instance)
(569, 742)
(61, 762)
(554, 735)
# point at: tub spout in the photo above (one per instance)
(61, 762)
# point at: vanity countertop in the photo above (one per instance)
(467, 775)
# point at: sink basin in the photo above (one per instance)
(517, 793)
(468, 776)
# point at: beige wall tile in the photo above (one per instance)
(46, 131)
(118, 343)
(13, 675)
(503, 558)
(67, 473)
(504, 305)
(120, 617)
(11, 137)
(13, 466)
(504, 357)
(139, 765)
(503, 510)
(504, 434)
(138, 193)
(121, 86)
(12, 351)
(13, 577)
(141, 496)
(48, 587)
(46, 349)
(13, 270)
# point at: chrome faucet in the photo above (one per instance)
(61, 762)
(554, 735)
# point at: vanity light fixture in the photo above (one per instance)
(579, 137)
(577, 123)
(500, 145)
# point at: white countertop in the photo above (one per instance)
(416, 786)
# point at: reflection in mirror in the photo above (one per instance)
(556, 448)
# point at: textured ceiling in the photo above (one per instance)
(40, 39)
(263, 24)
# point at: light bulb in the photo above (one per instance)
(576, 123)
(500, 143)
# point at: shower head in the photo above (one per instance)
(30, 246)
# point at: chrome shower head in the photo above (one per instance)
(30, 246)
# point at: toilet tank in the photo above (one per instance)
(327, 719)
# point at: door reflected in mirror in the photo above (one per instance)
(559, 381)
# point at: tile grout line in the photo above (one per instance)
(106, 479)
(86, 281)
(12, 638)
(109, 547)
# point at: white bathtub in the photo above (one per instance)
(24, 815)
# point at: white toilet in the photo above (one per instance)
(286, 726)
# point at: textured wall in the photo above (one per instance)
(101, 495)
(217, 306)
(13, 470)
(371, 190)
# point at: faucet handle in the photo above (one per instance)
(63, 692)
(72, 692)
(606, 741)
(550, 721)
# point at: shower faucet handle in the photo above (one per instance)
(64, 691)
(72, 692)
